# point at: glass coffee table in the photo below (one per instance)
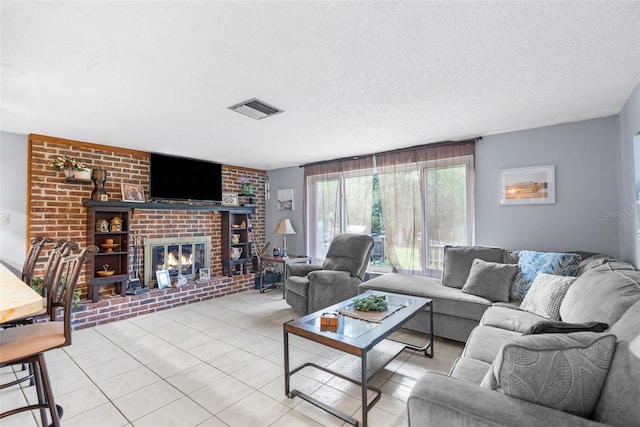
(366, 339)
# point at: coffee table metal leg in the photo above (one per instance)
(365, 408)
(286, 363)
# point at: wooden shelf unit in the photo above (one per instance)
(117, 258)
(231, 224)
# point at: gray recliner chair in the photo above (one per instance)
(311, 288)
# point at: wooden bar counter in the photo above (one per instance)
(17, 300)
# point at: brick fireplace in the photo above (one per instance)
(55, 209)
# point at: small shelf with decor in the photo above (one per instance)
(108, 228)
(237, 242)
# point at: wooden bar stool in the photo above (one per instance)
(28, 343)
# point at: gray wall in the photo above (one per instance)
(13, 198)
(629, 126)
(586, 213)
(283, 179)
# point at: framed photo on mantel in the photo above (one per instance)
(229, 199)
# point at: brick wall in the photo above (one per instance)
(55, 209)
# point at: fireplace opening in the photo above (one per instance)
(179, 256)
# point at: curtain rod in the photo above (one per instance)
(399, 150)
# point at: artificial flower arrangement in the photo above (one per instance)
(66, 162)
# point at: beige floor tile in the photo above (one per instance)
(195, 378)
(254, 410)
(105, 415)
(295, 419)
(212, 349)
(258, 373)
(183, 412)
(159, 352)
(137, 344)
(377, 417)
(146, 400)
(215, 363)
(221, 330)
(241, 338)
(24, 419)
(111, 369)
(396, 390)
(81, 401)
(128, 382)
(212, 422)
(221, 394)
(262, 346)
(275, 389)
(233, 360)
(98, 357)
(69, 383)
(173, 364)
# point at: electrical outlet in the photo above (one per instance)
(4, 219)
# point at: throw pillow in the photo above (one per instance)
(490, 280)
(549, 327)
(458, 260)
(531, 263)
(564, 372)
(546, 295)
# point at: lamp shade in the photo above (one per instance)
(284, 227)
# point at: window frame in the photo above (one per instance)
(423, 168)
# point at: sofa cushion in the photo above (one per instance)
(349, 252)
(470, 370)
(458, 260)
(490, 280)
(510, 318)
(531, 263)
(485, 342)
(618, 404)
(565, 372)
(602, 294)
(546, 295)
(449, 301)
(298, 285)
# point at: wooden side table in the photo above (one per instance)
(284, 262)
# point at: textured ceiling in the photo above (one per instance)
(352, 77)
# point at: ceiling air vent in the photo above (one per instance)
(256, 109)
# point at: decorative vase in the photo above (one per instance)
(235, 253)
(245, 189)
(235, 239)
(99, 176)
(68, 174)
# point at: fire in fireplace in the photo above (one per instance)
(180, 256)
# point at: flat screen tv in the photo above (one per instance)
(181, 178)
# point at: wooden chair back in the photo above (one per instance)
(37, 244)
(64, 285)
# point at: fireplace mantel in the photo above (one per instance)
(167, 206)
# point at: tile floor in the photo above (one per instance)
(213, 363)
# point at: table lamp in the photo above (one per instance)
(284, 227)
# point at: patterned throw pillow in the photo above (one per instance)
(546, 295)
(565, 372)
(531, 263)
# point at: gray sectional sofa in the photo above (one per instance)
(455, 313)
(510, 375)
